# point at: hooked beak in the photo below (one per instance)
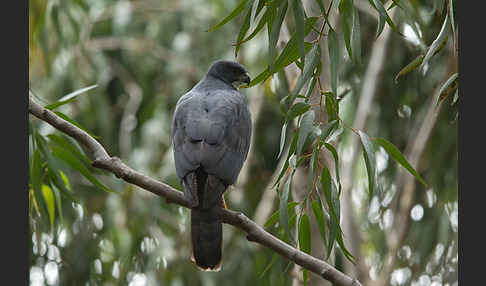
(244, 80)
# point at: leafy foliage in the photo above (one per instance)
(131, 65)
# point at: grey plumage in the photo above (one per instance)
(211, 133)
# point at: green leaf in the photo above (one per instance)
(395, 3)
(383, 17)
(255, 9)
(305, 242)
(67, 144)
(336, 163)
(258, 28)
(398, 156)
(437, 43)
(50, 203)
(328, 129)
(68, 119)
(274, 31)
(369, 157)
(309, 67)
(261, 23)
(52, 167)
(312, 167)
(324, 12)
(451, 17)
(335, 229)
(418, 61)
(347, 254)
(292, 147)
(77, 165)
(57, 180)
(57, 196)
(65, 179)
(244, 27)
(33, 203)
(335, 233)
(272, 261)
(351, 29)
(381, 20)
(456, 96)
(239, 8)
(410, 67)
(334, 56)
(310, 88)
(36, 171)
(276, 215)
(335, 133)
(282, 139)
(299, 26)
(69, 97)
(261, 77)
(346, 18)
(356, 38)
(447, 88)
(42, 146)
(287, 57)
(332, 106)
(291, 51)
(306, 125)
(319, 215)
(289, 54)
(332, 200)
(284, 215)
(296, 110)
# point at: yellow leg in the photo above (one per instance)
(224, 203)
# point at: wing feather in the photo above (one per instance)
(211, 129)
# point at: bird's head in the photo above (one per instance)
(230, 72)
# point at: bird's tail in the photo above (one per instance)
(207, 236)
(206, 226)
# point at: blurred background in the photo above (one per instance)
(144, 54)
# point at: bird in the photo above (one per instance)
(211, 132)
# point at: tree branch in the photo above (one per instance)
(255, 232)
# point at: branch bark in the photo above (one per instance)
(255, 232)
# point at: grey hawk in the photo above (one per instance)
(211, 131)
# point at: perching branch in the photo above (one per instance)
(255, 232)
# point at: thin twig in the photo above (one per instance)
(325, 21)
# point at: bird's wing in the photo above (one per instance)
(211, 129)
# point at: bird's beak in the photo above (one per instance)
(244, 80)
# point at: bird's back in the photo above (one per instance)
(211, 129)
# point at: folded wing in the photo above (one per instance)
(212, 130)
